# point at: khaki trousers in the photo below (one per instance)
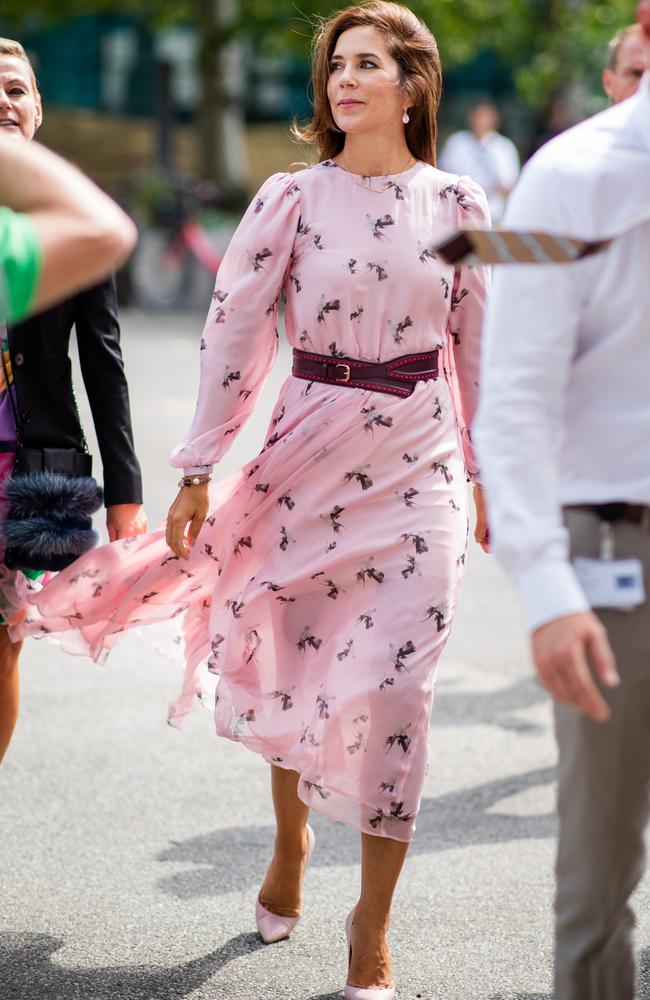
(604, 799)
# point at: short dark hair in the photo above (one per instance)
(614, 46)
(483, 102)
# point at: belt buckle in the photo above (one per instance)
(346, 376)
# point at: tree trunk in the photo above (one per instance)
(222, 137)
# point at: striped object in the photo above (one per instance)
(509, 247)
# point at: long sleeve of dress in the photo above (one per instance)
(239, 339)
(469, 295)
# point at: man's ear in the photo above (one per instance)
(607, 83)
(39, 112)
(643, 16)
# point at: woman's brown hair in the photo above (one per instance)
(411, 45)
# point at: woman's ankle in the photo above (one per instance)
(370, 966)
(368, 920)
(292, 845)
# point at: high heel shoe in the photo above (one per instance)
(357, 992)
(271, 926)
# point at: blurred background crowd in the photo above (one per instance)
(181, 108)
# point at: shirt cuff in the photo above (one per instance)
(198, 470)
(550, 590)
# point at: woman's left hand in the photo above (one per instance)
(124, 520)
(482, 529)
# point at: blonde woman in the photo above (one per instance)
(38, 369)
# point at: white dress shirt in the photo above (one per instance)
(492, 161)
(564, 416)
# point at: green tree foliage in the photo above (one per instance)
(550, 44)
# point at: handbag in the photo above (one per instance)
(52, 496)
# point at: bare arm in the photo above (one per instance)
(82, 232)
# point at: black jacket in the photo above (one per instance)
(43, 379)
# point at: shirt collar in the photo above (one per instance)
(644, 107)
(641, 113)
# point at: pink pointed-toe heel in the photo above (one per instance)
(358, 992)
(271, 926)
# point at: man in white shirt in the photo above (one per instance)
(563, 435)
(483, 154)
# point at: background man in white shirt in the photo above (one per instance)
(625, 64)
(564, 422)
(483, 154)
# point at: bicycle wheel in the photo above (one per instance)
(160, 270)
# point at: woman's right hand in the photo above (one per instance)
(190, 506)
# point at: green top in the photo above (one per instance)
(20, 264)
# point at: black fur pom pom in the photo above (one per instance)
(49, 524)
(44, 538)
(52, 495)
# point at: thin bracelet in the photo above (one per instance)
(201, 480)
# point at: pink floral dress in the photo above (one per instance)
(323, 585)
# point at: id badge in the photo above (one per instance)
(611, 583)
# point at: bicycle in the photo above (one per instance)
(188, 229)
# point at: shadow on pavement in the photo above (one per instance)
(27, 972)
(643, 983)
(491, 708)
(644, 975)
(521, 996)
(236, 858)
(466, 818)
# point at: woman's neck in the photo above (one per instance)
(375, 156)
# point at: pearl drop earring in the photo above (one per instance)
(405, 117)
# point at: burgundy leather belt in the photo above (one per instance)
(397, 376)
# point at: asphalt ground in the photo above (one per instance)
(131, 854)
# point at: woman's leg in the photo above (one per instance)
(381, 863)
(280, 892)
(9, 687)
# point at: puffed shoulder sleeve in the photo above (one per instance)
(239, 339)
(467, 310)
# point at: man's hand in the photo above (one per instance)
(124, 520)
(191, 505)
(568, 652)
(481, 530)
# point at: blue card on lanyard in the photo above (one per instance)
(611, 583)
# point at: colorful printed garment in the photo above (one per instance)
(324, 582)
(20, 264)
(14, 586)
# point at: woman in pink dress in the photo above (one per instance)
(319, 583)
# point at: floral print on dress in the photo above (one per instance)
(322, 588)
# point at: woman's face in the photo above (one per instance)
(20, 105)
(364, 83)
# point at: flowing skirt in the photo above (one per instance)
(319, 595)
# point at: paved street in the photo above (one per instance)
(130, 853)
